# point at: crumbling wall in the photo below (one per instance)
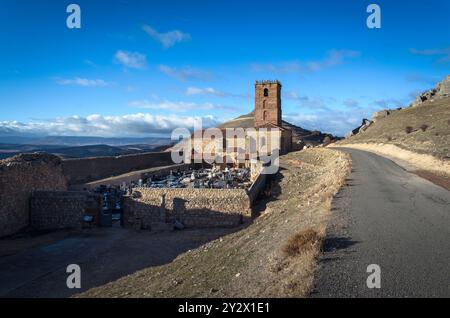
(84, 170)
(195, 208)
(19, 177)
(258, 185)
(52, 210)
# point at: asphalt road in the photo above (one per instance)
(389, 217)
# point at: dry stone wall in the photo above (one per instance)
(195, 208)
(19, 177)
(52, 210)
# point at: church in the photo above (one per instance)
(240, 144)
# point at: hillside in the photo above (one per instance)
(101, 150)
(424, 129)
(298, 134)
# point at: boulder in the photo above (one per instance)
(444, 87)
(380, 114)
(366, 123)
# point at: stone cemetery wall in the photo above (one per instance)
(52, 210)
(194, 208)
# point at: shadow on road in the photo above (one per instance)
(333, 244)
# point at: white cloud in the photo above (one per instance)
(186, 73)
(131, 125)
(192, 91)
(167, 39)
(89, 62)
(294, 96)
(423, 79)
(131, 59)
(203, 91)
(176, 106)
(336, 122)
(285, 67)
(315, 103)
(333, 116)
(350, 102)
(442, 55)
(82, 82)
(388, 103)
(333, 58)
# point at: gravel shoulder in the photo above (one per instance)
(427, 166)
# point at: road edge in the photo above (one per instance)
(425, 166)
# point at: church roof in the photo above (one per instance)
(271, 125)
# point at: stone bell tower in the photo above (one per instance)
(267, 103)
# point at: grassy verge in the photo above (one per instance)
(434, 169)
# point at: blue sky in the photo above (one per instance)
(140, 68)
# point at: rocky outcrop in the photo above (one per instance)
(380, 114)
(442, 90)
(383, 114)
(366, 123)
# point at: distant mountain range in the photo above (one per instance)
(83, 147)
(80, 141)
(80, 147)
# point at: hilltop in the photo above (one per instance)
(423, 127)
(299, 134)
(416, 137)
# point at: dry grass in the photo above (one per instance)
(302, 242)
(251, 262)
(410, 160)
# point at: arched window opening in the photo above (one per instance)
(264, 104)
(264, 115)
(266, 92)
